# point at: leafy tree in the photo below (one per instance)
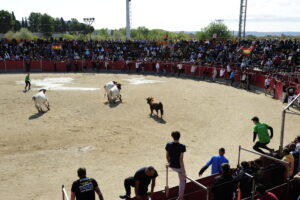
(26, 25)
(46, 25)
(17, 25)
(220, 29)
(9, 35)
(24, 34)
(63, 25)
(34, 21)
(200, 35)
(6, 21)
(73, 25)
(22, 23)
(57, 25)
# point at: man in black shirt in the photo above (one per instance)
(84, 188)
(174, 155)
(224, 185)
(140, 182)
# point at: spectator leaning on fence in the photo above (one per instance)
(174, 155)
(84, 188)
(215, 161)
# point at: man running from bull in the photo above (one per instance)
(27, 82)
(261, 129)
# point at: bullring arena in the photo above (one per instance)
(40, 152)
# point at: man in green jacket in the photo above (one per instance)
(27, 82)
(261, 129)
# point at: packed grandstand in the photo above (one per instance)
(269, 55)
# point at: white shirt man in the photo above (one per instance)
(157, 66)
(179, 66)
(228, 68)
(193, 69)
(222, 72)
(267, 82)
(215, 73)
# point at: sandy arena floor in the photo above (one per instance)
(39, 153)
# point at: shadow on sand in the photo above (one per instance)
(37, 115)
(158, 119)
(112, 105)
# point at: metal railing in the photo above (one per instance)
(200, 185)
(64, 193)
(269, 157)
(283, 122)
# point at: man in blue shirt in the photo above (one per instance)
(231, 77)
(216, 161)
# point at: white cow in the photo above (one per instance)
(114, 93)
(108, 86)
(40, 100)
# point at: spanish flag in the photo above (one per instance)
(56, 47)
(247, 51)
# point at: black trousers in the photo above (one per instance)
(259, 145)
(27, 84)
(129, 182)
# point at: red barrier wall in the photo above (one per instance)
(257, 78)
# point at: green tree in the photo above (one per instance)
(200, 35)
(63, 25)
(6, 22)
(46, 25)
(9, 35)
(220, 29)
(26, 25)
(24, 34)
(73, 25)
(34, 20)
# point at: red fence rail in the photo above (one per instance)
(257, 78)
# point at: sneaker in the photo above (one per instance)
(124, 196)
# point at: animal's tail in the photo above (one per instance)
(162, 108)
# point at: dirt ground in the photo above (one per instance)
(39, 153)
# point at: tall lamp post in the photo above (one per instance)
(89, 22)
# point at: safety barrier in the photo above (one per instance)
(256, 78)
(64, 193)
(284, 111)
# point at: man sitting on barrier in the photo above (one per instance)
(140, 182)
(261, 129)
(84, 188)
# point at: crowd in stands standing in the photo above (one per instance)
(271, 55)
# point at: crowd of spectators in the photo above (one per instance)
(262, 173)
(269, 55)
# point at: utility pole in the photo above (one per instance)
(128, 19)
(242, 19)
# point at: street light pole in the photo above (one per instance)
(89, 22)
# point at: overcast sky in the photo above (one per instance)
(171, 15)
